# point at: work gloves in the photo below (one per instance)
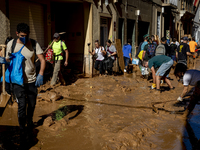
(3, 60)
(39, 80)
(180, 99)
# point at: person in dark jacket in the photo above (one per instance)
(167, 48)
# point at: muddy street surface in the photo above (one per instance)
(106, 113)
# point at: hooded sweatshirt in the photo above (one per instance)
(126, 50)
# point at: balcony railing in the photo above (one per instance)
(173, 2)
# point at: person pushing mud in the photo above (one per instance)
(164, 64)
(190, 78)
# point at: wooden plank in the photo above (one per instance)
(120, 54)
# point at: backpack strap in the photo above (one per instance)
(61, 45)
(33, 43)
(13, 45)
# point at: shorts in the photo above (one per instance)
(165, 69)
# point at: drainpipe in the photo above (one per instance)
(137, 13)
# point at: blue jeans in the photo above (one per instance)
(173, 57)
(126, 61)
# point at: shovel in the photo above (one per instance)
(4, 95)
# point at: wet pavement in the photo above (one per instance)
(109, 113)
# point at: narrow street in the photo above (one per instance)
(113, 112)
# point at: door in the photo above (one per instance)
(104, 30)
(131, 34)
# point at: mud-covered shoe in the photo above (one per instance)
(171, 89)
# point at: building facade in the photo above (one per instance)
(85, 21)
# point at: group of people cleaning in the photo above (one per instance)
(160, 59)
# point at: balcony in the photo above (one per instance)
(170, 3)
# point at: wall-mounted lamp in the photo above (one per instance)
(137, 12)
(163, 9)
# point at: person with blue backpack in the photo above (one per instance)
(22, 53)
(149, 50)
(127, 48)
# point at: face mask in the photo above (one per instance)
(24, 39)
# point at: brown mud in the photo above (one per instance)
(109, 113)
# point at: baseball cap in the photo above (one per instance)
(146, 35)
(185, 38)
(56, 35)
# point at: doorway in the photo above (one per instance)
(104, 30)
(143, 28)
(69, 18)
(131, 34)
(121, 30)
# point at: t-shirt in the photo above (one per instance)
(143, 45)
(151, 46)
(182, 51)
(99, 53)
(127, 50)
(177, 43)
(191, 77)
(111, 50)
(29, 60)
(57, 49)
(192, 45)
(167, 49)
(173, 49)
(157, 61)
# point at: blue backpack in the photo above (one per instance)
(151, 50)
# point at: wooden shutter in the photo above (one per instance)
(30, 13)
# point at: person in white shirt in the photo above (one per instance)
(98, 54)
(190, 78)
(177, 43)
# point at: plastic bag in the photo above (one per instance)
(14, 73)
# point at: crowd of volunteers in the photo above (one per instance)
(156, 58)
